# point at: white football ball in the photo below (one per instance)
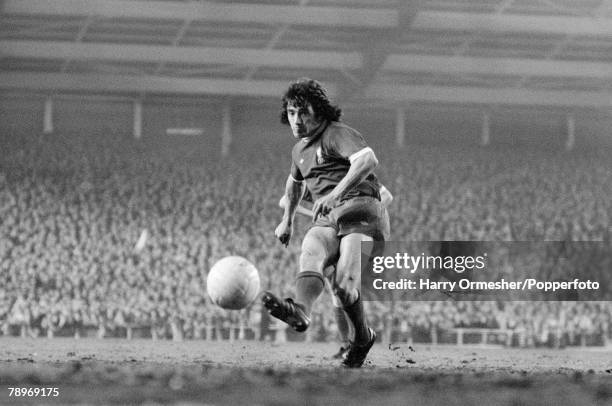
(233, 283)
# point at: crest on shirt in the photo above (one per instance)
(319, 153)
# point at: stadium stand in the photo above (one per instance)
(72, 209)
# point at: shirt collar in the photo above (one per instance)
(317, 133)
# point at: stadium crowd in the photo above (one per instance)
(72, 209)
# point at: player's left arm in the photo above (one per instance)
(363, 163)
(284, 201)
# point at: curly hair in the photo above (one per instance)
(305, 90)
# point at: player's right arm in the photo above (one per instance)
(294, 189)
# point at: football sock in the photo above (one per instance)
(308, 287)
(344, 325)
(356, 314)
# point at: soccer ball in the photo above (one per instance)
(233, 283)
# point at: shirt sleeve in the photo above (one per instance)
(347, 143)
(295, 173)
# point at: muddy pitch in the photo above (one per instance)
(253, 373)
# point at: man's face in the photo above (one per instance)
(302, 119)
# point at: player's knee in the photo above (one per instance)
(345, 292)
(348, 269)
(312, 259)
(347, 276)
(348, 283)
(314, 252)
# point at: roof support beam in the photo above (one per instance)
(141, 84)
(177, 39)
(187, 55)
(273, 42)
(390, 93)
(497, 66)
(506, 23)
(80, 35)
(488, 96)
(208, 11)
(349, 61)
(375, 52)
(315, 16)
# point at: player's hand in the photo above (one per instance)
(283, 232)
(324, 205)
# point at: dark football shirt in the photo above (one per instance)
(323, 161)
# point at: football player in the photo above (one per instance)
(334, 162)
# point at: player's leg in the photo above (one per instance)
(319, 245)
(342, 321)
(348, 279)
(347, 283)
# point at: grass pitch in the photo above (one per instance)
(109, 371)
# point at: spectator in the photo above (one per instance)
(73, 208)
